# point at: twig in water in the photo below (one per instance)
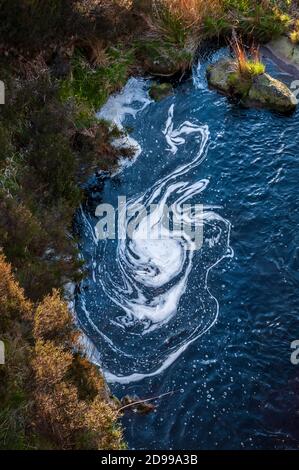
(138, 402)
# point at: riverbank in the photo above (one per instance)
(59, 65)
(281, 57)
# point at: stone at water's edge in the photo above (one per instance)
(271, 93)
(218, 74)
(284, 50)
(158, 91)
(261, 90)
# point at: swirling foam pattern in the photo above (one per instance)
(146, 276)
(142, 304)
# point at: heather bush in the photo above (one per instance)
(50, 395)
(52, 319)
(47, 153)
(50, 364)
(13, 304)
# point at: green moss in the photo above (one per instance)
(255, 68)
(240, 85)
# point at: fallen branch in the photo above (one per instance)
(139, 402)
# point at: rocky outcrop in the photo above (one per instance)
(259, 90)
(285, 50)
(219, 74)
(271, 93)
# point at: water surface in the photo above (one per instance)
(213, 325)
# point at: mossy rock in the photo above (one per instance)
(260, 90)
(158, 91)
(221, 74)
(271, 93)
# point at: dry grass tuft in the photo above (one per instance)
(248, 66)
(95, 50)
(192, 12)
(180, 22)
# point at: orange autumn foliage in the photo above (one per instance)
(63, 400)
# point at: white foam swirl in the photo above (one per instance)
(120, 105)
(146, 276)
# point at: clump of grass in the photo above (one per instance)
(263, 22)
(255, 68)
(185, 19)
(171, 25)
(216, 27)
(248, 67)
(173, 35)
(190, 13)
(240, 5)
(92, 85)
(180, 22)
(260, 20)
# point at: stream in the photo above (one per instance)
(212, 324)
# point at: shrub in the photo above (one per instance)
(52, 319)
(59, 416)
(100, 420)
(96, 144)
(50, 396)
(13, 304)
(37, 23)
(50, 364)
(46, 153)
(15, 312)
(87, 379)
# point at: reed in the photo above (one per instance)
(248, 65)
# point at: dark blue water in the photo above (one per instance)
(234, 385)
